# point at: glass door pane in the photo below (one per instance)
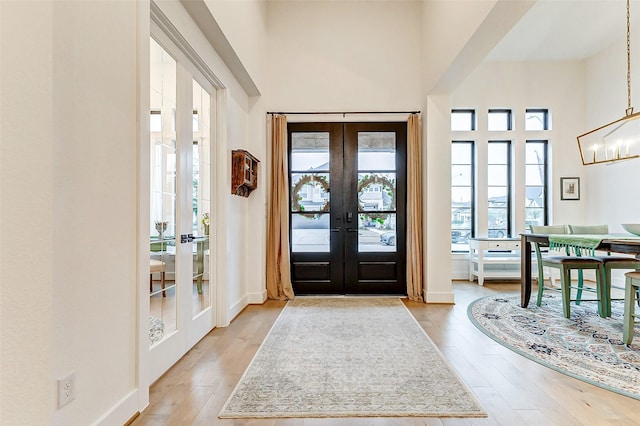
(162, 308)
(376, 191)
(310, 204)
(374, 188)
(201, 170)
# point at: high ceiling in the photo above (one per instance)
(568, 30)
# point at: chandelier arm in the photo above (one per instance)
(629, 107)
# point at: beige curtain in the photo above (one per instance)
(278, 263)
(414, 210)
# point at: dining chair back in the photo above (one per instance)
(549, 229)
(546, 229)
(589, 229)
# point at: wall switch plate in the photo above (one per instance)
(66, 389)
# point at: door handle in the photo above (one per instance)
(352, 230)
(335, 229)
(186, 238)
(349, 217)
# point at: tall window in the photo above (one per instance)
(462, 190)
(499, 120)
(499, 189)
(536, 206)
(536, 119)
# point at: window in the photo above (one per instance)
(536, 119)
(462, 190)
(499, 120)
(536, 207)
(492, 186)
(463, 120)
(499, 189)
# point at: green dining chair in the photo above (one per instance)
(548, 229)
(609, 261)
(632, 288)
(566, 264)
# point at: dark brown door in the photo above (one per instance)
(347, 207)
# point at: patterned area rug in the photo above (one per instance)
(349, 357)
(586, 346)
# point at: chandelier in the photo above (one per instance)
(620, 139)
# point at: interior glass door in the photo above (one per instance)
(201, 173)
(202, 311)
(163, 319)
(181, 286)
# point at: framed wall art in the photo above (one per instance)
(570, 188)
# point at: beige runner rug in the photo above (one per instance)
(349, 357)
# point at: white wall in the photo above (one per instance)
(245, 27)
(612, 190)
(68, 198)
(454, 22)
(95, 195)
(342, 56)
(26, 213)
(438, 288)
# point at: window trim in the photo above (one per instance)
(472, 208)
(509, 200)
(545, 182)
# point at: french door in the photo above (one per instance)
(347, 207)
(182, 106)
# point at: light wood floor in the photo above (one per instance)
(513, 389)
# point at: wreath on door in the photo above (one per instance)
(296, 197)
(387, 186)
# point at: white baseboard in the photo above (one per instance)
(247, 299)
(439, 297)
(120, 413)
(236, 308)
(257, 298)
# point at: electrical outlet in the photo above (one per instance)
(66, 389)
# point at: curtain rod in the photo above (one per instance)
(343, 112)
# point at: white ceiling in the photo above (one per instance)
(568, 30)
